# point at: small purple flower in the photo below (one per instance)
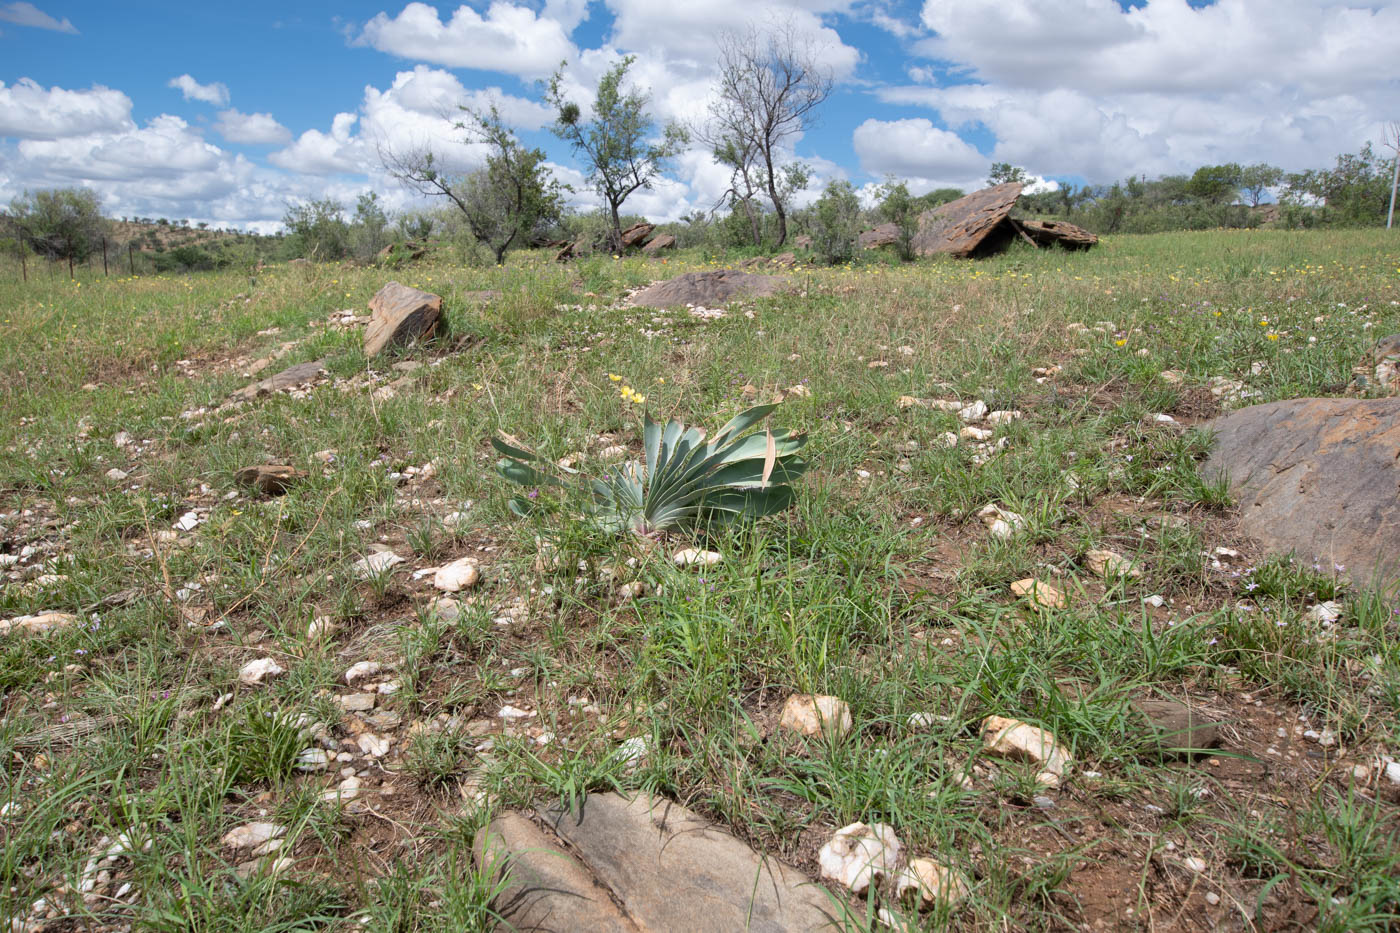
(533, 494)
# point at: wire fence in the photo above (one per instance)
(112, 258)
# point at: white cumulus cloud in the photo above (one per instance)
(28, 111)
(251, 128)
(317, 153)
(216, 93)
(1088, 88)
(420, 110)
(508, 38)
(915, 149)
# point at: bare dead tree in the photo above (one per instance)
(771, 81)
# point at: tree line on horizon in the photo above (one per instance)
(770, 87)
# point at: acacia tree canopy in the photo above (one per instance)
(506, 201)
(58, 223)
(614, 145)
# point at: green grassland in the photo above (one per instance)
(880, 586)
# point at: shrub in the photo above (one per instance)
(836, 222)
(59, 223)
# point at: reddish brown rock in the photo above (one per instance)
(398, 315)
(1057, 233)
(970, 226)
(710, 289)
(636, 234)
(883, 235)
(1318, 477)
(657, 243)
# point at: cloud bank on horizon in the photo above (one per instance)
(1090, 90)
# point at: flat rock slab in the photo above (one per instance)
(657, 243)
(671, 869)
(710, 289)
(1318, 477)
(1177, 728)
(1053, 232)
(400, 314)
(883, 235)
(288, 378)
(970, 225)
(546, 888)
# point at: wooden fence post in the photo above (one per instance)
(104, 257)
(131, 257)
(70, 266)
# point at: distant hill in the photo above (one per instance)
(153, 235)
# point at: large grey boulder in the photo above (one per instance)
(666, 867)
(544, 887)
(1319, 477)
(709, 288)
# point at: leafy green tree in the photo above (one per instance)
(938, 197)
(740, 156)
(1217, 184)
(319, 228)
(367, 230)
(415, 226)
(1004, 172)
(613, 144)
(1356, 191)
(58, 223)
(515, 196)
(1257, 179)
(505, 202)
(836, 222)
(898, 207)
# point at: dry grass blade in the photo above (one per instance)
(770, 457)
(65, 733)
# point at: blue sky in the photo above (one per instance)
(226, 112)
